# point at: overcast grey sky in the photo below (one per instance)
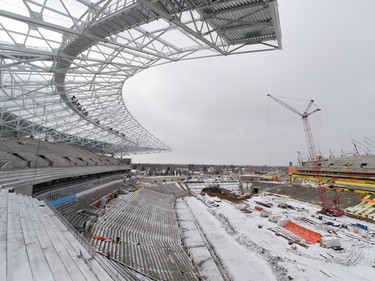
(215, 111)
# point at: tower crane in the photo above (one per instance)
(306, 125)
(333, 208)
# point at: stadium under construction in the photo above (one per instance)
(66, 132)
(355, 173)
(69, 206)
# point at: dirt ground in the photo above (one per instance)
(298, 192)
(224, 194)
(311, 194)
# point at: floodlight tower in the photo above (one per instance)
(306, 125)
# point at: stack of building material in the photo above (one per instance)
(364, 209)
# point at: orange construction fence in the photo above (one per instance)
(303, 232)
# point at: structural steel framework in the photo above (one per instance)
(64, 62)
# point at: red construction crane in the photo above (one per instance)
(332, 209)
(306, 125)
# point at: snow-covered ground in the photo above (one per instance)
(197, 187)
(247, 249)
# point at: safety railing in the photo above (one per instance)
(66, 191)
(85, 244)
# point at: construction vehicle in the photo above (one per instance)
(333, 208)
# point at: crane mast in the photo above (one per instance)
(333, 208)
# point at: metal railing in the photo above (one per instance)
(85, 244)
(5, 165)
(78, 187)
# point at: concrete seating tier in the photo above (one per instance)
(170, 188)
(35, 245)
(150, 240)
(123, 272)
(24, 153)
(23, 179)
(72, 210)
(157, 220)
(63, 190)
(363, 163)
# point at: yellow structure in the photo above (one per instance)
(365, 209)
(351, 173)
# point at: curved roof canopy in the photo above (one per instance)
(64, 62)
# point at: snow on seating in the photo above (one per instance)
(149, 236)
(35, 245)
(23, 180)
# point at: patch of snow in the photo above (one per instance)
(248, 252)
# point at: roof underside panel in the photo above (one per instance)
(245, 21)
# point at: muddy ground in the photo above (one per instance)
(224, 194)
(311, 194)
(298, 192)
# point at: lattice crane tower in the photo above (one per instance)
(306, 125)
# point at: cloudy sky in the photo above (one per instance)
(215, 111)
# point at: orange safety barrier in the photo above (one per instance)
(303, 232)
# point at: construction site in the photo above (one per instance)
(285, 227)
(91, 220)
(317, 226)
(356, 175)
(72, 205)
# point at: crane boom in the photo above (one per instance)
(332, 209)
(285, 105)
(306, 124)
(309, 106)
